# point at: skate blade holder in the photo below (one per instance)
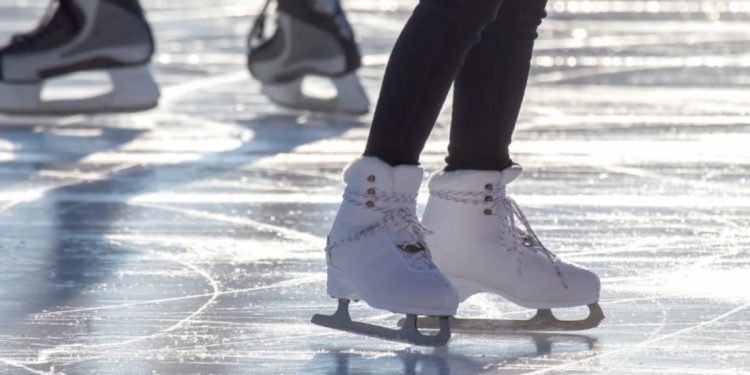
(408, 333)
(123, 89)
(343, 94)
(543, 321)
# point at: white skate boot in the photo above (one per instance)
(312, 39)
(477, 244)
(75, 36)
(376, 253)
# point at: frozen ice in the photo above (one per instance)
(188, 239)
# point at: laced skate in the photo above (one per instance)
(76, 36)
(312, 38)
(483, 242)
(377, 253)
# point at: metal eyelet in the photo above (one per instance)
(371, 178)
(527, 242)
(488, 187)
(413, 248)
(489, 198)
(370, 204)
(488, 212)
(371, 191)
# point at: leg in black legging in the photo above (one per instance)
(490, 88)
(425, 60)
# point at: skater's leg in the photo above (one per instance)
(480, 238)
(490, 87)
(424, 62)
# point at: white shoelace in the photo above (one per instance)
(399, 220)
(516, 239)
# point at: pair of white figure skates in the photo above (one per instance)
(478, 240)
(309, 38)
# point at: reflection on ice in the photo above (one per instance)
(188, 239)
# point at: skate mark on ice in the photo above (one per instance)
(654, 333)
(45, 355)
(660, 39)
(642, 344)
(170, 94)
(173, 93)
(289, 233)
(22, 366)
(281, 284)
(644, 173)
(41, 192)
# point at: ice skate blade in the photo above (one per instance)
(133, 89)
(350, 99)
(543, 321)
(408, 333)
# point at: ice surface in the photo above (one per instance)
(188, 239)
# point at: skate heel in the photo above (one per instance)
(352, 96)
(20, 97)
(465, 288)
(339, 285)
(134, 88)
(346, 94)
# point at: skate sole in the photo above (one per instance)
(66, 112)
(341, 287)
(351, 98)
(467, 288)
(543, 321)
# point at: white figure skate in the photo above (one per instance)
(312, 38)
(376, 253)
(75, 36)
(477, 244)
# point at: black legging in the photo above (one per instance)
(485, 46)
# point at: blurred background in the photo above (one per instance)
(189, 238)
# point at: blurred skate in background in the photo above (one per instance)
(110, 36)
(308, 58)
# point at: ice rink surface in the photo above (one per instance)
(189, 238)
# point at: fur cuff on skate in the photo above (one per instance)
(471, 180)
(371, 171)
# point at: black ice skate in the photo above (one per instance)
(75, 36)
(312, 38)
